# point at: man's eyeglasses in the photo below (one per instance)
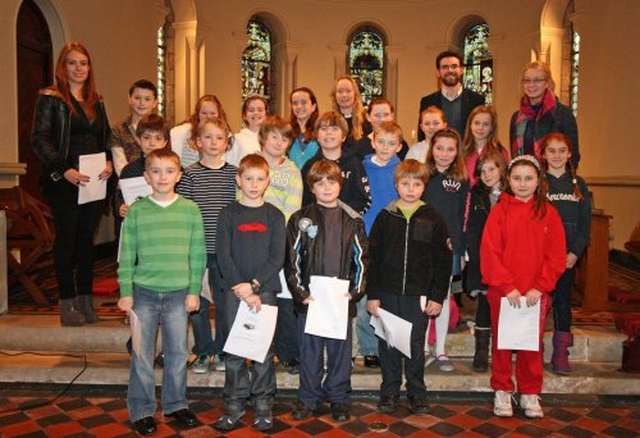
(536, 81)
(450, 67)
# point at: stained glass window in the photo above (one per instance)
(161, 59)
(478, 63)
(366, 63)
(256, 61)
(575, 72)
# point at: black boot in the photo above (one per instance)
(481, 357)
(84, 304)
(69, 315)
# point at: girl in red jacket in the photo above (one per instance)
(522, 254)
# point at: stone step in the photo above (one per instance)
(44, 333)
(113, 369)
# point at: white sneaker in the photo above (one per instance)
(531, 405)
(502, 404)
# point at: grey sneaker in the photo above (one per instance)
(201, 365)
(219, 362)
(263, 420)
(428, 359)
(444, 363)
(229, 421)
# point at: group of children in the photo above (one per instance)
(328, 195)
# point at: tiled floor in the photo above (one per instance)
(106, 416)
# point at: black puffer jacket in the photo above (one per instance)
(51, 132)
(306, 253)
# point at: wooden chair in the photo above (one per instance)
(30, 231)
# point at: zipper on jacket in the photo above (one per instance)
(406, 255)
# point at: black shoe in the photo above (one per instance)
(388, 404)
(292, 366)
(229, 421)
(371, 361)
(160, 359)
(340, 412)
(184, 417)
(419, 405)
(145, 426)
(301, 411)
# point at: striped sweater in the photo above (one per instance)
(212, 190)
(162, 248)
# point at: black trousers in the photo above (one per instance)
(392, 362)
(73, 247)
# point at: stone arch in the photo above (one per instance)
(552, 34)
(57, 27)
(459, 26)
(282, 57)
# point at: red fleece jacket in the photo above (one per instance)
(520, 251)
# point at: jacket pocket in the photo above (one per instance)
(422, 230)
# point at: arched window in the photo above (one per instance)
(162, 59)
(478, 62)
(366, 63)
(575, 71)
(256, 67)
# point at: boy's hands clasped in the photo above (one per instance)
(244, 292)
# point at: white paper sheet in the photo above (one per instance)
(394, 330)
(519, 328)
(96, 189)
(252, 333)
(328, 313)
(136, 331)
(134, 189)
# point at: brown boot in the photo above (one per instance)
(84, 304)
(69, 315)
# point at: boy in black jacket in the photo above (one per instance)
(331, 131)
(326, 238)
(410, 261)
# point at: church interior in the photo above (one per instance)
(195, 47)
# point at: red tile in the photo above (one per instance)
(591, 424)
(63, 429)
(19, 429)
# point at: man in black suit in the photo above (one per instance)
(455, 101)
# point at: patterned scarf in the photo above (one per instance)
(543, 119)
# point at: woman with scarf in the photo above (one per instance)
(540, 113)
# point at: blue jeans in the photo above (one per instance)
(367, 340)
(242, 382)
(562, 301)
(166, 310)
(203, 340)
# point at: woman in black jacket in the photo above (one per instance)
(70, 121)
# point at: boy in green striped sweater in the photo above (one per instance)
(162, 259)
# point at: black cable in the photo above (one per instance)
(64, 390)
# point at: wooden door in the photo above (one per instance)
(34, 72)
